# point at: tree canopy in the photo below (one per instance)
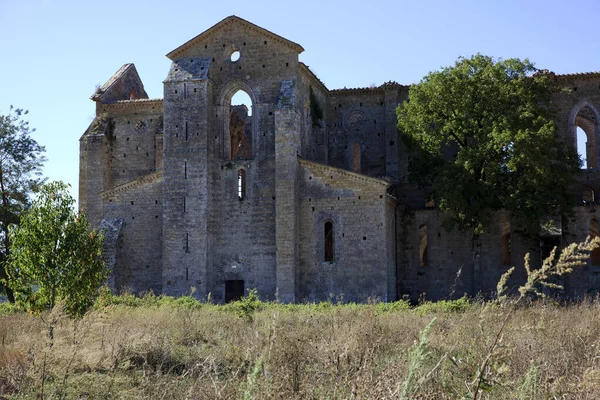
(55, 256)
(21, 161)
(481, 134)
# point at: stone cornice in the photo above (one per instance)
(370, 90)
(578, 76)
(153, 177)
(133, 104)
(229, 20)
(340, 171)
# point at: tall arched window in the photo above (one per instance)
(241, 184)
(240, 127)
(584, 125)
(328, 241)
(423, 261)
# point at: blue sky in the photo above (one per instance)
(54, 53)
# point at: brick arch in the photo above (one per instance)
(592, 130)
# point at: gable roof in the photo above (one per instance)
(119, 86)
(233, 19)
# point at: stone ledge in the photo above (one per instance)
(132, 184)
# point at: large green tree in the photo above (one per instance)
(481, 135)
(20, 173)
(55, 255)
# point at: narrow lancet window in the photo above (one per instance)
(594, 232)
(328, 241)
(241, 184)
(423, 245)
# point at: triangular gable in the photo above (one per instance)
(324, 172)
(125, 84)
(201, 38)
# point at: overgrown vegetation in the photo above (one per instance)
(157, 346)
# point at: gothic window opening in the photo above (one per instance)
(423, 261)
(240, 126)
(506, 244)
(328, 241)
(585, 136)
(594, 232)
(356, 155)
(241, 179)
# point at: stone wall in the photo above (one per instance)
(194, 217)
(138, 252)
(359, 210)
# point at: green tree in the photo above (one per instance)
(481, 135)
(55, 256)
(20, 170)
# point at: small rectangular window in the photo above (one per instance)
(241, 184)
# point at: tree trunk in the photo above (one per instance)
(476, 265)
(9, 293)
(5, 205)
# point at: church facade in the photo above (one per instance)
(303, 195)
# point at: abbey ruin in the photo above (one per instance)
(303, 196)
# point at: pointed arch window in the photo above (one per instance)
(585, 123)
(240, 126)
(423, 259)
(328, 241)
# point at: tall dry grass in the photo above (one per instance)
(165, 350)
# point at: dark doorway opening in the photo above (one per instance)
(234, 290)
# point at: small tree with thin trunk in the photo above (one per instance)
(55, 256)
(21, 161)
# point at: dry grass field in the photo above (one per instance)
(161, 348)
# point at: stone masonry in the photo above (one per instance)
(303, 196)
